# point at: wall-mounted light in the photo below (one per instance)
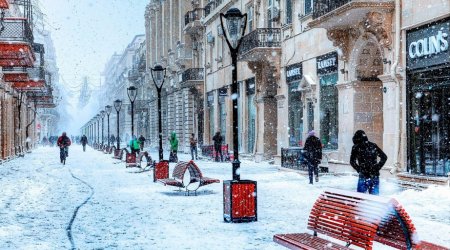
(384, 89)
(386, 61)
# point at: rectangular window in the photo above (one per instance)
(251, 114)
(308, 7)
(329, 111)
(295, 116)
(288, 12)
(250, 18)
(223, 116)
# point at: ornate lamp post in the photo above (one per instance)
(108, 110)
(158, 75)
(102, 115)
(233, 24)
(117, 106)
(132, 93)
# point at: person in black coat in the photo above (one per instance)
(367, 159)
(84, 141)
(313, 155)
(218, 139)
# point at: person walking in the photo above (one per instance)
(134, 145)
(193, 144)
(84, 141)
(313, 155)
(218, 139)
(141, 142)
(173, 147)
(367, 159)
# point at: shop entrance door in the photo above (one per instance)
(431, 130)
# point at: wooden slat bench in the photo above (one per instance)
(190, 183)
(356, 219)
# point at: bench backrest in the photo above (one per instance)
(194, 170)
(179, 170)
(359, 219)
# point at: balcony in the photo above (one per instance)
(192, 77)
(134, 75)
(192, 21)
(341, 13)
(261, 44)
(16, 43)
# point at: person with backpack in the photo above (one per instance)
(218, 139)
(173, 147)
(63, 143)
(84, 141)
(134, 145)
(367, 159)
(313, 155)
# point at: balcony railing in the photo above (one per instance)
(193, 15)
(133, 74)
(322, 7)
(193, 74)
(262, 37)
(36, 73)
(16, 30)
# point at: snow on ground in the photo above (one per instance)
(118, 208)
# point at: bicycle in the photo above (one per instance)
(63, 154)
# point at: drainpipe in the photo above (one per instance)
(397, 81)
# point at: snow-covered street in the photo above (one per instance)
(107, 206)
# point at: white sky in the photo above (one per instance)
(86, 33)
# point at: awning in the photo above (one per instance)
(16, 55)
(4, 4)
(306, 83)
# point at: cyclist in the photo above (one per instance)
(64, 143)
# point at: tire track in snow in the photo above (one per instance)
(74, 215)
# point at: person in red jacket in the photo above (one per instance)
(63, 143)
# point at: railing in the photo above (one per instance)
(193, 15)
(293, 158)
(133, 74)
(16, 30)
(193, 74)
(322, 7)
(262, 37)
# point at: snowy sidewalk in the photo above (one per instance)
(128, 211)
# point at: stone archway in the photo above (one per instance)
(367, 65)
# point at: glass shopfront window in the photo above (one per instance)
(327, 66)
(223, 111)
(211, 113)
(251, 111)
(295, 110)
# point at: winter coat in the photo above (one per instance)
(141, 139)
(313, 148)
(217, 140)
(193, 142)
(365, 154)
(134, 144)
(173, 142)
(83, 140)
(63, 141)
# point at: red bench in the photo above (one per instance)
(194, 181)
(356, 219)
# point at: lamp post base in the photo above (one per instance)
(239, 201)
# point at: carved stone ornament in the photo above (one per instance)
(343, 39)
(379, 25)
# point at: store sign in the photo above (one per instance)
(327, 63)
(294, 72)
(223, 91)
(428, 45)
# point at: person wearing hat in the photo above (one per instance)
(313, 155)
(367, 159)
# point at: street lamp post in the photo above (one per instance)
(158, 75)
(235, 29)
(132, 93)
(117, 106)
(236, 191)
(108, 110)
(97, 117)
(102, 115)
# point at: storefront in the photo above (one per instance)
(294, 74)
(428, 95)
(327, 71)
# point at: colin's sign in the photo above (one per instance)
(428, 45)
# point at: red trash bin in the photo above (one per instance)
(161, 170)
(239, 201)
